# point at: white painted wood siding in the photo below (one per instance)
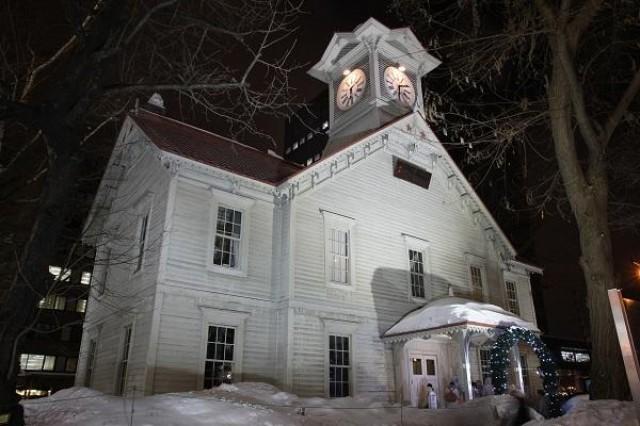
(129, 295)
(384, 208)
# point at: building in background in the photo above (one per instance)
(306, 132)
(49, 354)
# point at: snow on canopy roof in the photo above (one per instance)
(456, 312)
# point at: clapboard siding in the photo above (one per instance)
(192, 231)
(383, 211)
(128, 297)
(180, 356)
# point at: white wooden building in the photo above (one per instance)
(216, 261)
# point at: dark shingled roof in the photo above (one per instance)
(214, 150)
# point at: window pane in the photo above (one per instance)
(417, 366)
(431, 367)
(49, 363)
(85, 278)
(34, 362)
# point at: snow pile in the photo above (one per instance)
(86, 407)
(596, 413)
(455, 310)
(252, 404)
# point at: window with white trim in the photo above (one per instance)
(142, 238)
(124, 361)
(476, 282)
(416, 271)
(228, 237)
(91, 360)
(339, 366)
(100, 281)
(339, 259)
(512, 297)
(417, 250)
(219, 360)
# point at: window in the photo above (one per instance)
(339, 366)
(53, 302)
(219, 360)
(485, 362)
(338, 253)
(288, 150)
(295, 146)
(85, 278)
(416, 269)
(37, 362)
(81, 305)
(419, 270)
(309, 136)
(325, 125)
(124, 361)
(568, 356)
(413, 174)
(142, 236)
(339, 256)
(91, 358)
(226, 252)
(58, 274)
(512, 298)
(582, 357)
(476, 282)
(101, 281)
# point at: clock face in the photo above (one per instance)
(399, 87)
(351, 89)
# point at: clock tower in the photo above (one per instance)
(374, 76)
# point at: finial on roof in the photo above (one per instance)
(451, 290)
(156, 102)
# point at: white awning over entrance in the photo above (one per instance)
(449, 314)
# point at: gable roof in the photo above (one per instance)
(214, 150)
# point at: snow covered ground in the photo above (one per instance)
(255, 404)
(596, 413)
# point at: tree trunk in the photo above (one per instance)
(588, 196)
(31, 282)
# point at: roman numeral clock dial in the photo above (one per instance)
(351, 89)
(399, 87)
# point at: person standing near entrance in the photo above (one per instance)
(432, 398)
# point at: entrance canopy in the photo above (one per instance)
(450, 314)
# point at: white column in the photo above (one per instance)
(517, 366)
(465, 371)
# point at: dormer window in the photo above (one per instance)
(413, 174)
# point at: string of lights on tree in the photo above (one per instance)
(499, 362)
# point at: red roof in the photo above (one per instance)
(208, 148)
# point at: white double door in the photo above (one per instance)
(422, 371)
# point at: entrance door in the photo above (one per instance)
(422, 372)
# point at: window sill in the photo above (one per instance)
(234, 272)
(340, 286)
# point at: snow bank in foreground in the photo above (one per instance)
(253, 404)
(597, 413)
